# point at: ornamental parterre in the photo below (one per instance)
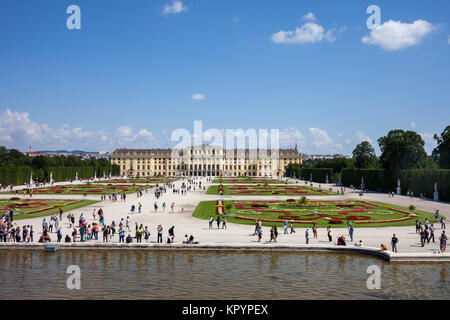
(317, 212)
(84, 189)
(30, 206)
(267, 190)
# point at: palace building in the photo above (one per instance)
(204, 160)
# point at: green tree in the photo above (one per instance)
(402, 150)
(364, 155)
(442, 151)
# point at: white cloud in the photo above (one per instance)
(291, 136)
(341, 134)
(127, 137)
(413, 125)
(430, 143)
(310, 17)
(309, 32)
(320, 138)
(198, 96)
(362, 137)
(396, 35)
(18, 131)
(175, 7)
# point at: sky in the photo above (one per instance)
(137, 70)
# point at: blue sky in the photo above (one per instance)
(128, 77)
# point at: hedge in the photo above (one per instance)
(417, 181)
(19, 175)
(318, 174)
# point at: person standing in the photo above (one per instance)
(350, 231)
(394, 242)
(218, 222)
(314, 229)
(286, 227)
(330, 237)
(121, 235)
(210, 222)
(59, 235)
(307, 235)
(160, 232)
(224, 223)
(443, 241)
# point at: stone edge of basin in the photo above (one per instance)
(386, 255)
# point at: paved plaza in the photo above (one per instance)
(185, 223)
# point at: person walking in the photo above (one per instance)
(394, 242)
(292, 227)
(286, 224)
(224, 223)
(210, 222)
(431, 233)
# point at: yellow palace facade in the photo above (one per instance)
(204, 160)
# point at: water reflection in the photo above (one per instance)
(139, 274)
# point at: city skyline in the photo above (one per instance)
(135, 72)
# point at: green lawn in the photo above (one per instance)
(246, 180)
(206, 209)
(261, 190)
(139, 180)
(88, 189)
(49, 207)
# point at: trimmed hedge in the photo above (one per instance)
(318, 174)
(418, 181)
(19, 175)
(14, 175)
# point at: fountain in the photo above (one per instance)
(363, 187)
(51, 178)
(31, 179)
(76, 176)
(326, 179)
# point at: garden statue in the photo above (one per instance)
(436, 193)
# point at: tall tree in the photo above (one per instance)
(364, 155)
(442, 151)
(402, 150)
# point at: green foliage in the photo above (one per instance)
(318, 174)
(364, 155)
(442, 151)
(417, 181)
(402, 150)
(16, 167)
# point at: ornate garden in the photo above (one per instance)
(308, 213)
(139, 180)
(246, 180)
(87, 189)
(31, 208)
(282, 190)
